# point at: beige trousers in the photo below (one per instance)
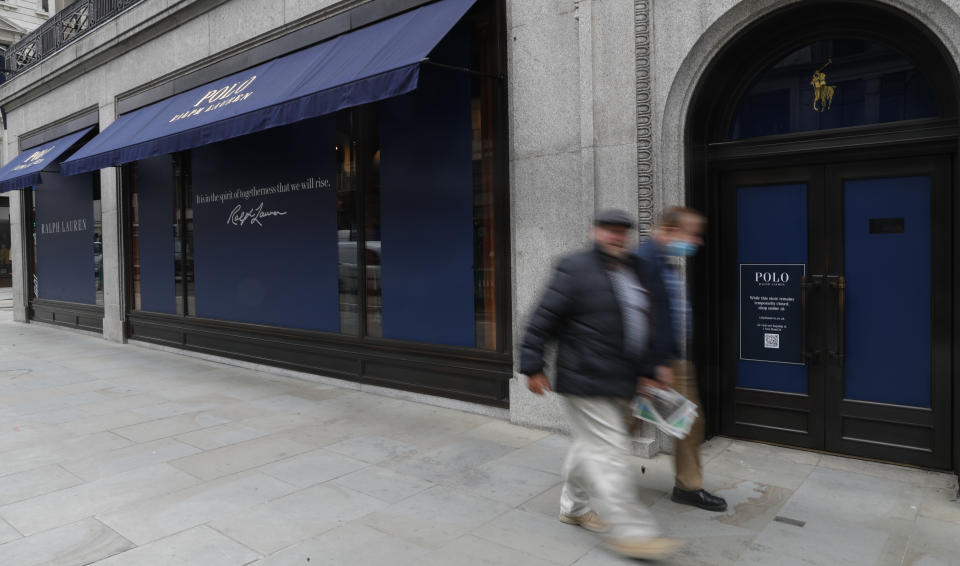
(598, 470)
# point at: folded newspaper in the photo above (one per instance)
(668, 410)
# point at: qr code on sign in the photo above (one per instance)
(771, 341)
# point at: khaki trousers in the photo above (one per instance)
(597, 469)
(686, 452)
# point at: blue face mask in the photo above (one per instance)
(681, 249)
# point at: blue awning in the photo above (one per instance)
(365, 65)
(24, 170)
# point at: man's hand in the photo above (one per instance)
(665, 376)
(664, 380)
(538, 384)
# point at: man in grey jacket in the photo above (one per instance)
(603, 317)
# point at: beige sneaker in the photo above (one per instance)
(656, 548)
(589, 520)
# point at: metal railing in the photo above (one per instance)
(64, 27)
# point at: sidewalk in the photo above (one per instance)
(116, 455)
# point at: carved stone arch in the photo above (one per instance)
(939, 19)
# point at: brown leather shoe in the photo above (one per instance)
(656, 548)
(589, 520)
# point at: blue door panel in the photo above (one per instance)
(887, 267)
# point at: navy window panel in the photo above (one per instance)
(155, 198)
(265, 227)
(426, 216)
(65, 253)
(888, 291)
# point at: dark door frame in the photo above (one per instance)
(823, 418)
(707, 152)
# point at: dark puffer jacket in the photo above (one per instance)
(580, 311)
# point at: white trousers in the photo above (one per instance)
(597, 469)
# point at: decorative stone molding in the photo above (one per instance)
(645, 198)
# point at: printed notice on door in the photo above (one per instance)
(771, 315)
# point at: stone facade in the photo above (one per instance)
(598, 92)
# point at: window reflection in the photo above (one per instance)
(348, 264)
(183, 235)
(130, 182)
(484, 97)
(97, 241)
(34, 261)
(371, 206)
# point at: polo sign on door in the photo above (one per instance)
(771, 315)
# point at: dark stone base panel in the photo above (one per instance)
(456, 373)
(70, 315)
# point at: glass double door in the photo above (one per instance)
(837, 281)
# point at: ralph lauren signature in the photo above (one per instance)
(239, 217)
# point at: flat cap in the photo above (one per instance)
(614, 217)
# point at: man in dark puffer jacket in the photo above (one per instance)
(602, 316)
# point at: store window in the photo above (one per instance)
(833, 83)
(155, 260)
(67, 252)
(378, 221)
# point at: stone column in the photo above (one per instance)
(114, 308)
(20, 236)
(550, 209)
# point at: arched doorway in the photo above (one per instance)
(822, 142)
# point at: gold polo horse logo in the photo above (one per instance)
(822, 92)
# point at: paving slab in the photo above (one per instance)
(353, 543)
(7, 532)
(311, 468)
(373, 449)
(155, 429)
(151, 519)
(199, 545)
(537, 535)
(436, 516)
(88, 499)
(384, 484)
(77, 544)
(280, 523)
(229, 460)
(449, 463)
(504, 482)
(474, 551)
(130, 458)
(32, 483)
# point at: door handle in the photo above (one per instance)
(839, 284)
(808, 282)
